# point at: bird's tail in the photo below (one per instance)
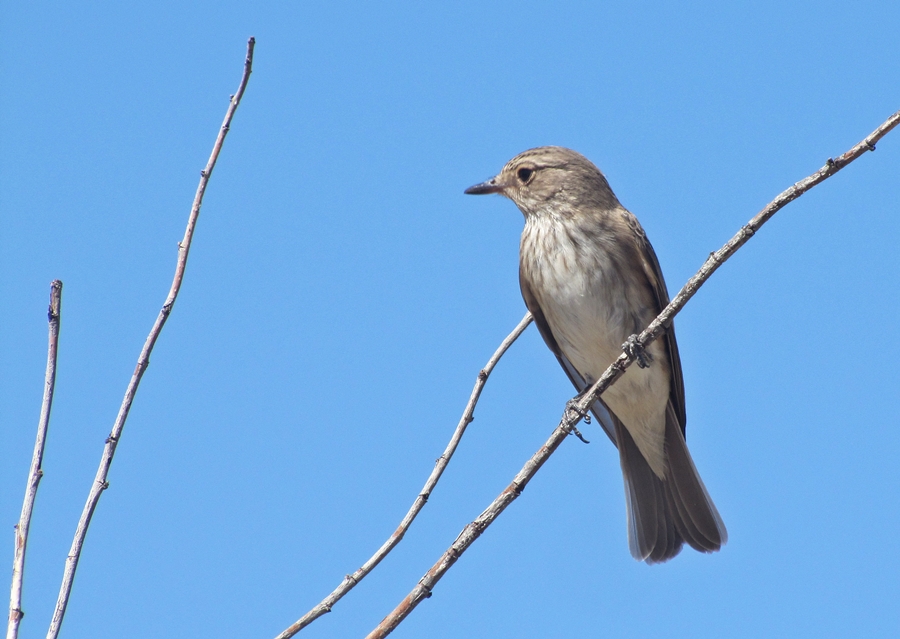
(663, 513)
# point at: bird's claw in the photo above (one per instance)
(572, 406)
(578, 434)
(637, 352)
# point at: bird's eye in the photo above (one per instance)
(524, 174)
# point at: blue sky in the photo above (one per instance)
(342, 294)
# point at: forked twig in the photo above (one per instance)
(350, 581)
(100, 484)
(36, 472)
(576, 410)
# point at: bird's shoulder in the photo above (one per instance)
(632, 228)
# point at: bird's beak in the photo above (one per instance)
(491, 186)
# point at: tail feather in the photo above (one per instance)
(668, 541)
(652, 533)
(663, 513)
(702, 528)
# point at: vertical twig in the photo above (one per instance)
(100, 483)
(350, 581)
(577, 408)
(36, 472)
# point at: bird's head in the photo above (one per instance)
(550, 180)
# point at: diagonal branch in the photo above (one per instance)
(575, 410)
(100, 484)
(36, 472)
(350, 581)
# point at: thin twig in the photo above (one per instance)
(575, 411)
(350, 581)
(36, 472)
(100, 483)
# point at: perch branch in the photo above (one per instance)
(350, 581)
(100, 483)
(576, 411)
(36, 472)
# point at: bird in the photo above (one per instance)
(591, 279)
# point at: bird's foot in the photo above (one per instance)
(573, 407)
(637, 352)
(578, 434)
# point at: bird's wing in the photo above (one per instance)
(658, 285)
(599, 409)
(687, 502)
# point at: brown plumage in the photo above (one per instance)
(591, 279)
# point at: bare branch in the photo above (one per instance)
(100, 484)
(350, 581)
(575, 410)
(36, 472)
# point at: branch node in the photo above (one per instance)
(748, 230)
(830, 163)
(482, 375)
(104, 485)
(869, 145)
(635, 350)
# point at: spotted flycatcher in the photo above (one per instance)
(591, 279)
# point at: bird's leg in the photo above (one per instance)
(572, 406)
(637, 352)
